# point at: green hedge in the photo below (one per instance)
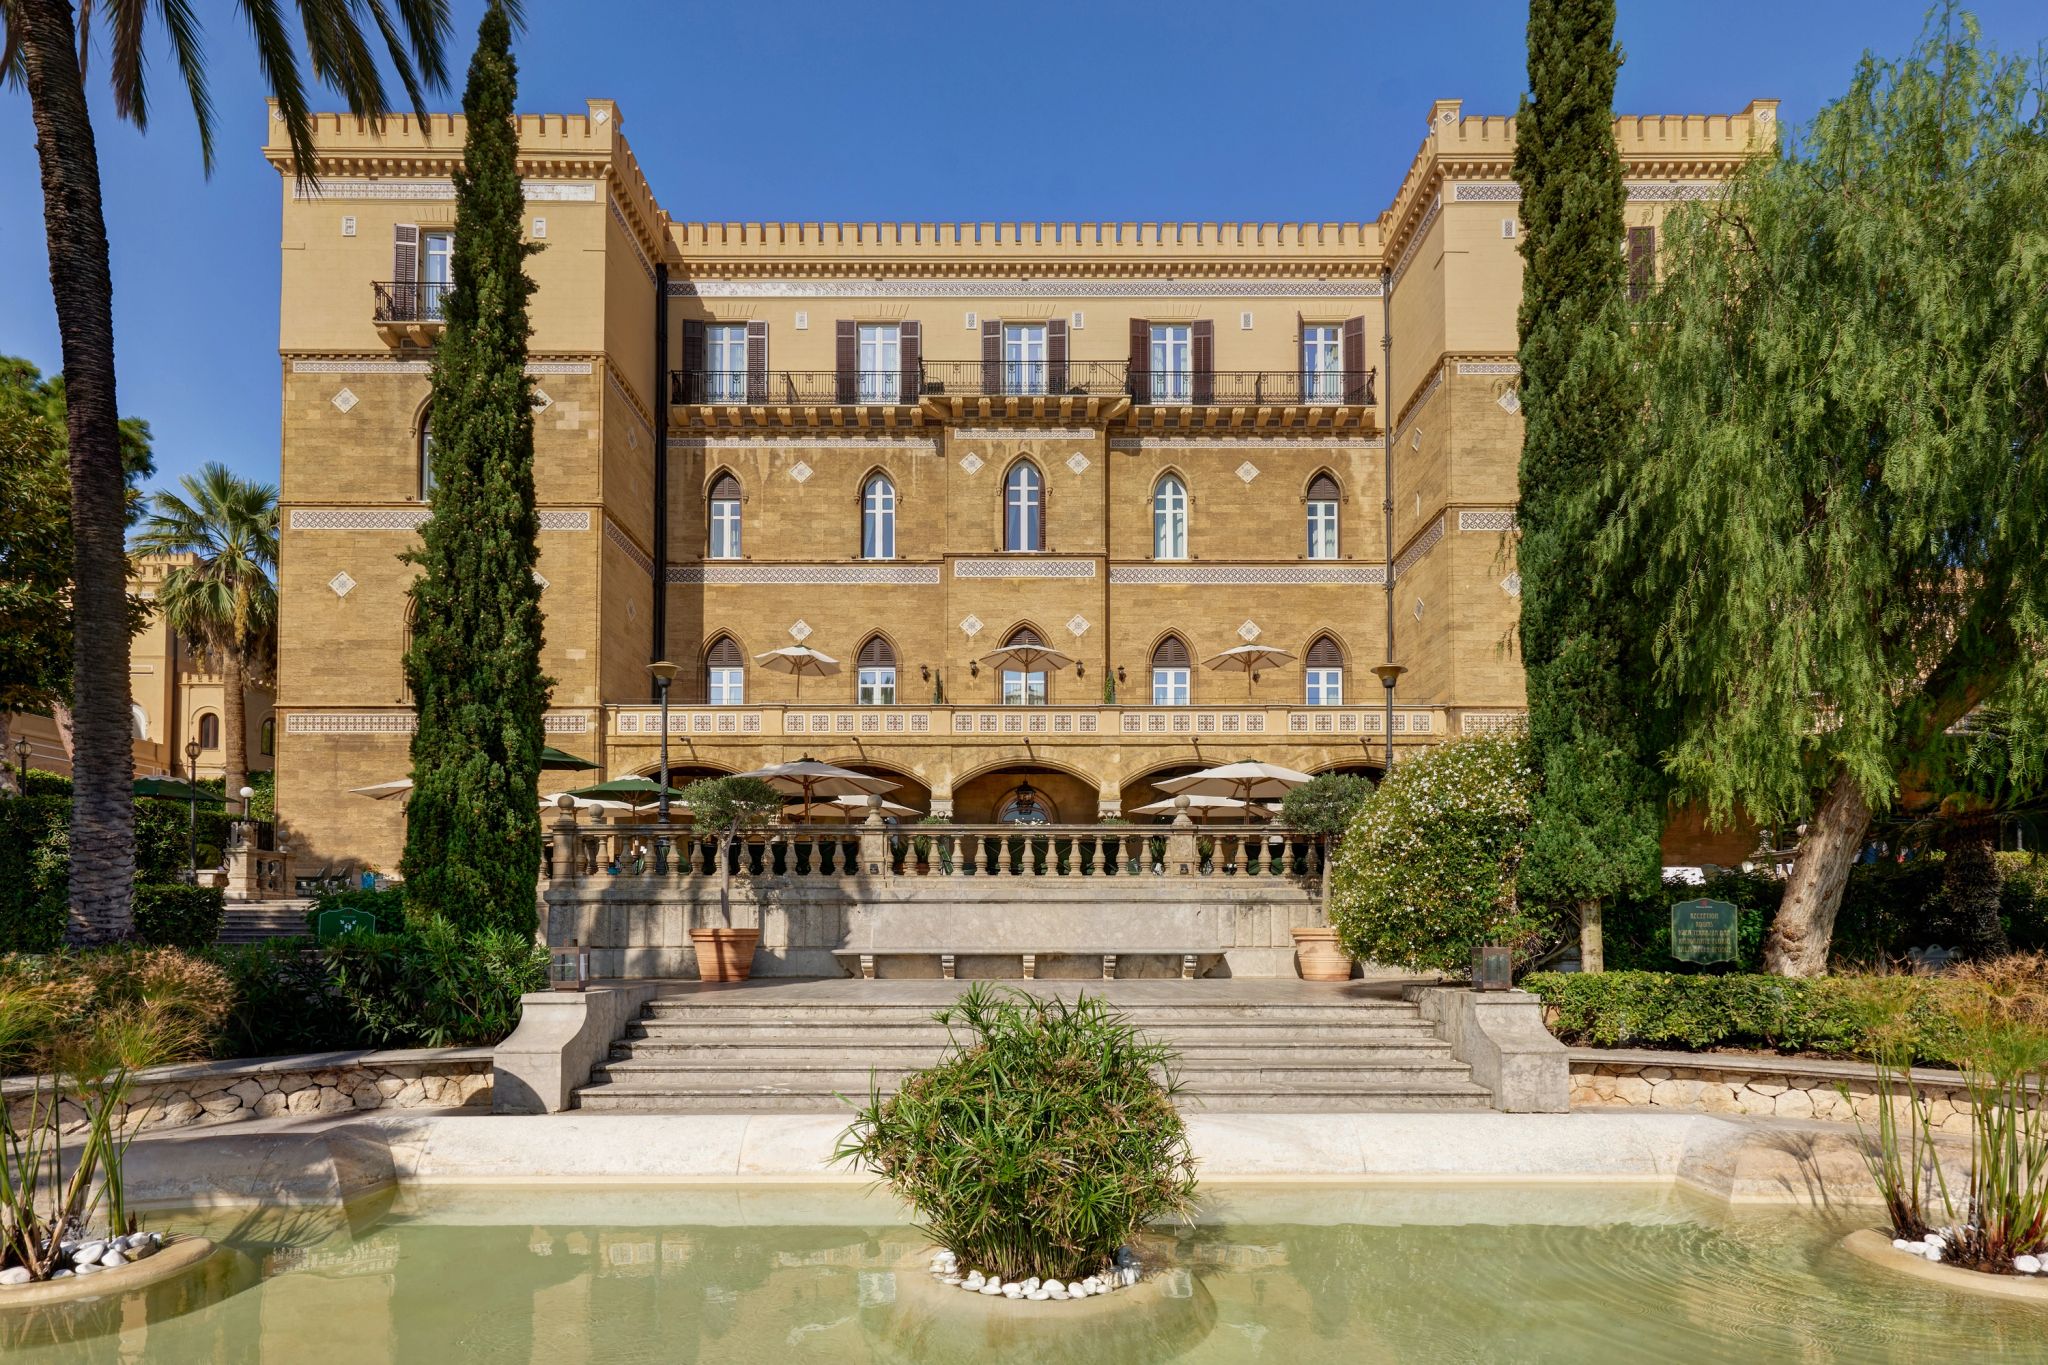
(35, 851)
(1829, 1016)
(285, 1002)
(178, 915)
(434, 985)
(387, 905)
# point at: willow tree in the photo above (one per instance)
(1842, 477)
(472, 844)
(1594, 819)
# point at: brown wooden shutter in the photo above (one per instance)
(1301, 355)
(876, 653)
(405, 271)
(1323, 488)
(991, 356)
(757, 362)
(1325, 654)
(727, 489)
(1171, 653)
(1356, 388)
(1023, 635)
(1141, 360)
(724, 654)
(1056, 355)
(1202, 342)
(1642, 262)
(846, 358)
(911, 340)
(693, 361)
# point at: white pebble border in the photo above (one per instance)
(1934, 1247)
(90, 1256)
(945, 1268)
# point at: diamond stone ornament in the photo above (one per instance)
(344, 400)
(1510, 401)
(1078, 626)
(801, 472)
(342, 584)
(1512, 585)
(971, 462)
(1247, 471)
(800, 632)
(541, 401)
(538, 581)
(1248, 632)
(971, 624)
(1078, 462)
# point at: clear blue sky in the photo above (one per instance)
(892, 109)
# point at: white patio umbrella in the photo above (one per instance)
(1204, 808)
(1027, 658)
(852, 808)
(384, 791)
(798, 660)
(1248, 659)
(810, 779)
(1244, 781)
(587, 803)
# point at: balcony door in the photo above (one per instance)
(880, 366)
(1172, 371)
(437, 271)
(1024, 358)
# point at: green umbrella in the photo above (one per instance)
(174, 789)
(558, 761)
(636, 789)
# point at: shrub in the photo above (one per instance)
(388, 906)
(175, 915)
(35, 851)
(284, 1002)
(1426, 871)
(1039, 1145)
(434, 985)
(1325, 804)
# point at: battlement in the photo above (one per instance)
(591, 133)
(1325, 246)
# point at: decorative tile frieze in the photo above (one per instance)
(1436, 206)
(1424, 543)
(1246, 575)
(804, 575)
(357, 518)
(350, 723)
(1199, 442)
(1470, 367)
(532, 191)
(1024, 433)
(1490, 722)
(367, 365)
(1023, 568)
(573, 724)
(1488, 192)
(556, 519)
(804, 441)
(1047, 287)
(1639, 191)
(1486, 519)
(616, 534)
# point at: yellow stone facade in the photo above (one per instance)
(733, 352)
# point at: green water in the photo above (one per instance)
(1298, 1275)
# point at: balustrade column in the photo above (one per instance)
(1105, 854)
(1002, 856)
(1244, 854)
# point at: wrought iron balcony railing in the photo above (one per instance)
(408, 301)
(1023, 378)
(1020, 379)
(887, 387)
(1285, 387)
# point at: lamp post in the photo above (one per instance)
(192, 805)
(21, 765)
(1388, 675)
(664, 673)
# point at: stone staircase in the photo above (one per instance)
(1295, 1050)
(255, 921)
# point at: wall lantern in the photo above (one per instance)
(1493, 968)
(924, 671)
(1119, 673)
(569, 968)
(973, 669)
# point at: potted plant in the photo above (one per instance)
(729, 804)
(1322, 809)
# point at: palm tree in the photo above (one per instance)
(44, 47)
(225, 602)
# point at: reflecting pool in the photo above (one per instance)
(1295, 1274)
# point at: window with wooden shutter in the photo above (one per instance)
(1172, 673)
(1642, 262)
(725, 673)
(1171, 653)
(875, 674)
(1141, 355)
(1323, 488)
(405, 272)
(913, 361)
(1056, 355)
(1023, 635)
(1324, 671)
(1325, 654)
(757, 362)
(846, 358)
(1357, 388)
(724, 654)
(991, 355)
(877, 653)
(693, 361)
(1204, 346)
(723, 539)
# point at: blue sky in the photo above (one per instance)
(892, 109)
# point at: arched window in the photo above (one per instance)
(725, 518)
(1323, 497)
(426, 454)
(266, 738)
(877, 673)
(1023, 686)
(1023, 508)
(725, 673)
(878, 519)
(1171, 670)
(209, 731)
(139, 719)
(1025, 805)
(1325, 668)
(1170, 519)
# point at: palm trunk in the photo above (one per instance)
(234, 675)
(103, 763)
(1970, 883)
(1805, 924)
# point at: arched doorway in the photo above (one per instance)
(1025, 793)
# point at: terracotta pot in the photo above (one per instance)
(725, 954)
(1318, 957)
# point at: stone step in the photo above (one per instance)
(878, 1052)
(1387, 1100)
(1341, 1011)
(1208, 1076)
(913, 1032)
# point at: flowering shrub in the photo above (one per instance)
(1426, 872)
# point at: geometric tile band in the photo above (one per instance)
(406, 519)
(626, 546)
(398, 723)
(1415, 239)
(533, 191)
(533, 367)
(800, 441)
(1246, 575)
(1192, 442)
(1053, 287)
(1639, 191)
(1496, 519)
(1023, 568)
(804, 575)
(1423, 545)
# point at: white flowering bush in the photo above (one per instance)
(1426, 871)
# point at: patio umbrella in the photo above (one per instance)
(854, 808)
(1248, 659)
(384, 791)
(1027, 658)
(798, 660)
(1246, 782)
(174, 789)
(583, 803)
(636, 791)
(810, 779)
(555, 760)
(1203, 808)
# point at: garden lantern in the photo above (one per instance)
(192, 813)
(569, 968)
(1493, 968)
(21, 765)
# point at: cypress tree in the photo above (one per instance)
(473, 838)
(1594, 822)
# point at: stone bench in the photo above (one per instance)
(1194, 962)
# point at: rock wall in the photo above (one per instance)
(1795, 1089)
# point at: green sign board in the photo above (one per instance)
(333, 924)
(1703, 931)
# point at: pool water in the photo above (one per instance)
(1296, 1274)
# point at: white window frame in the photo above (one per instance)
(878, 518)
(426, 446)
(437, 271)
(1024, 688)
(725, 538)
(1170, 686)
(726, 687)
(877, 686)
(1326, 686)
(1169, 519)
(878, 363)
(1322, 528)
(1023, 509)
(1024, 358)
(1171, 375)
(725, 362)
(1322, 362)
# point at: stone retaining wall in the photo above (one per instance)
(1719, 1083)
(317, 1083)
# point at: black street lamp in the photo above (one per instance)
(664, 673)
(21, 765)
(192, 810)
(1388, 675)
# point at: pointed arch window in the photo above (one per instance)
(426, 455)
(878, 518)
(209, 731)
(876, 685)
(1023, 508)
(725, 673)
(1024, 686)
(1171, 671)
(725, 518)
(1170, 519)
(1323, 497)
(1325, 668)
(266, 739)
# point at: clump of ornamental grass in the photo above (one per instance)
(1046, 1138)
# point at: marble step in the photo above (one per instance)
(889, 1052)
(826, 1078)
(1385, 1100)
(916, 1032)
(1141, 1014)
